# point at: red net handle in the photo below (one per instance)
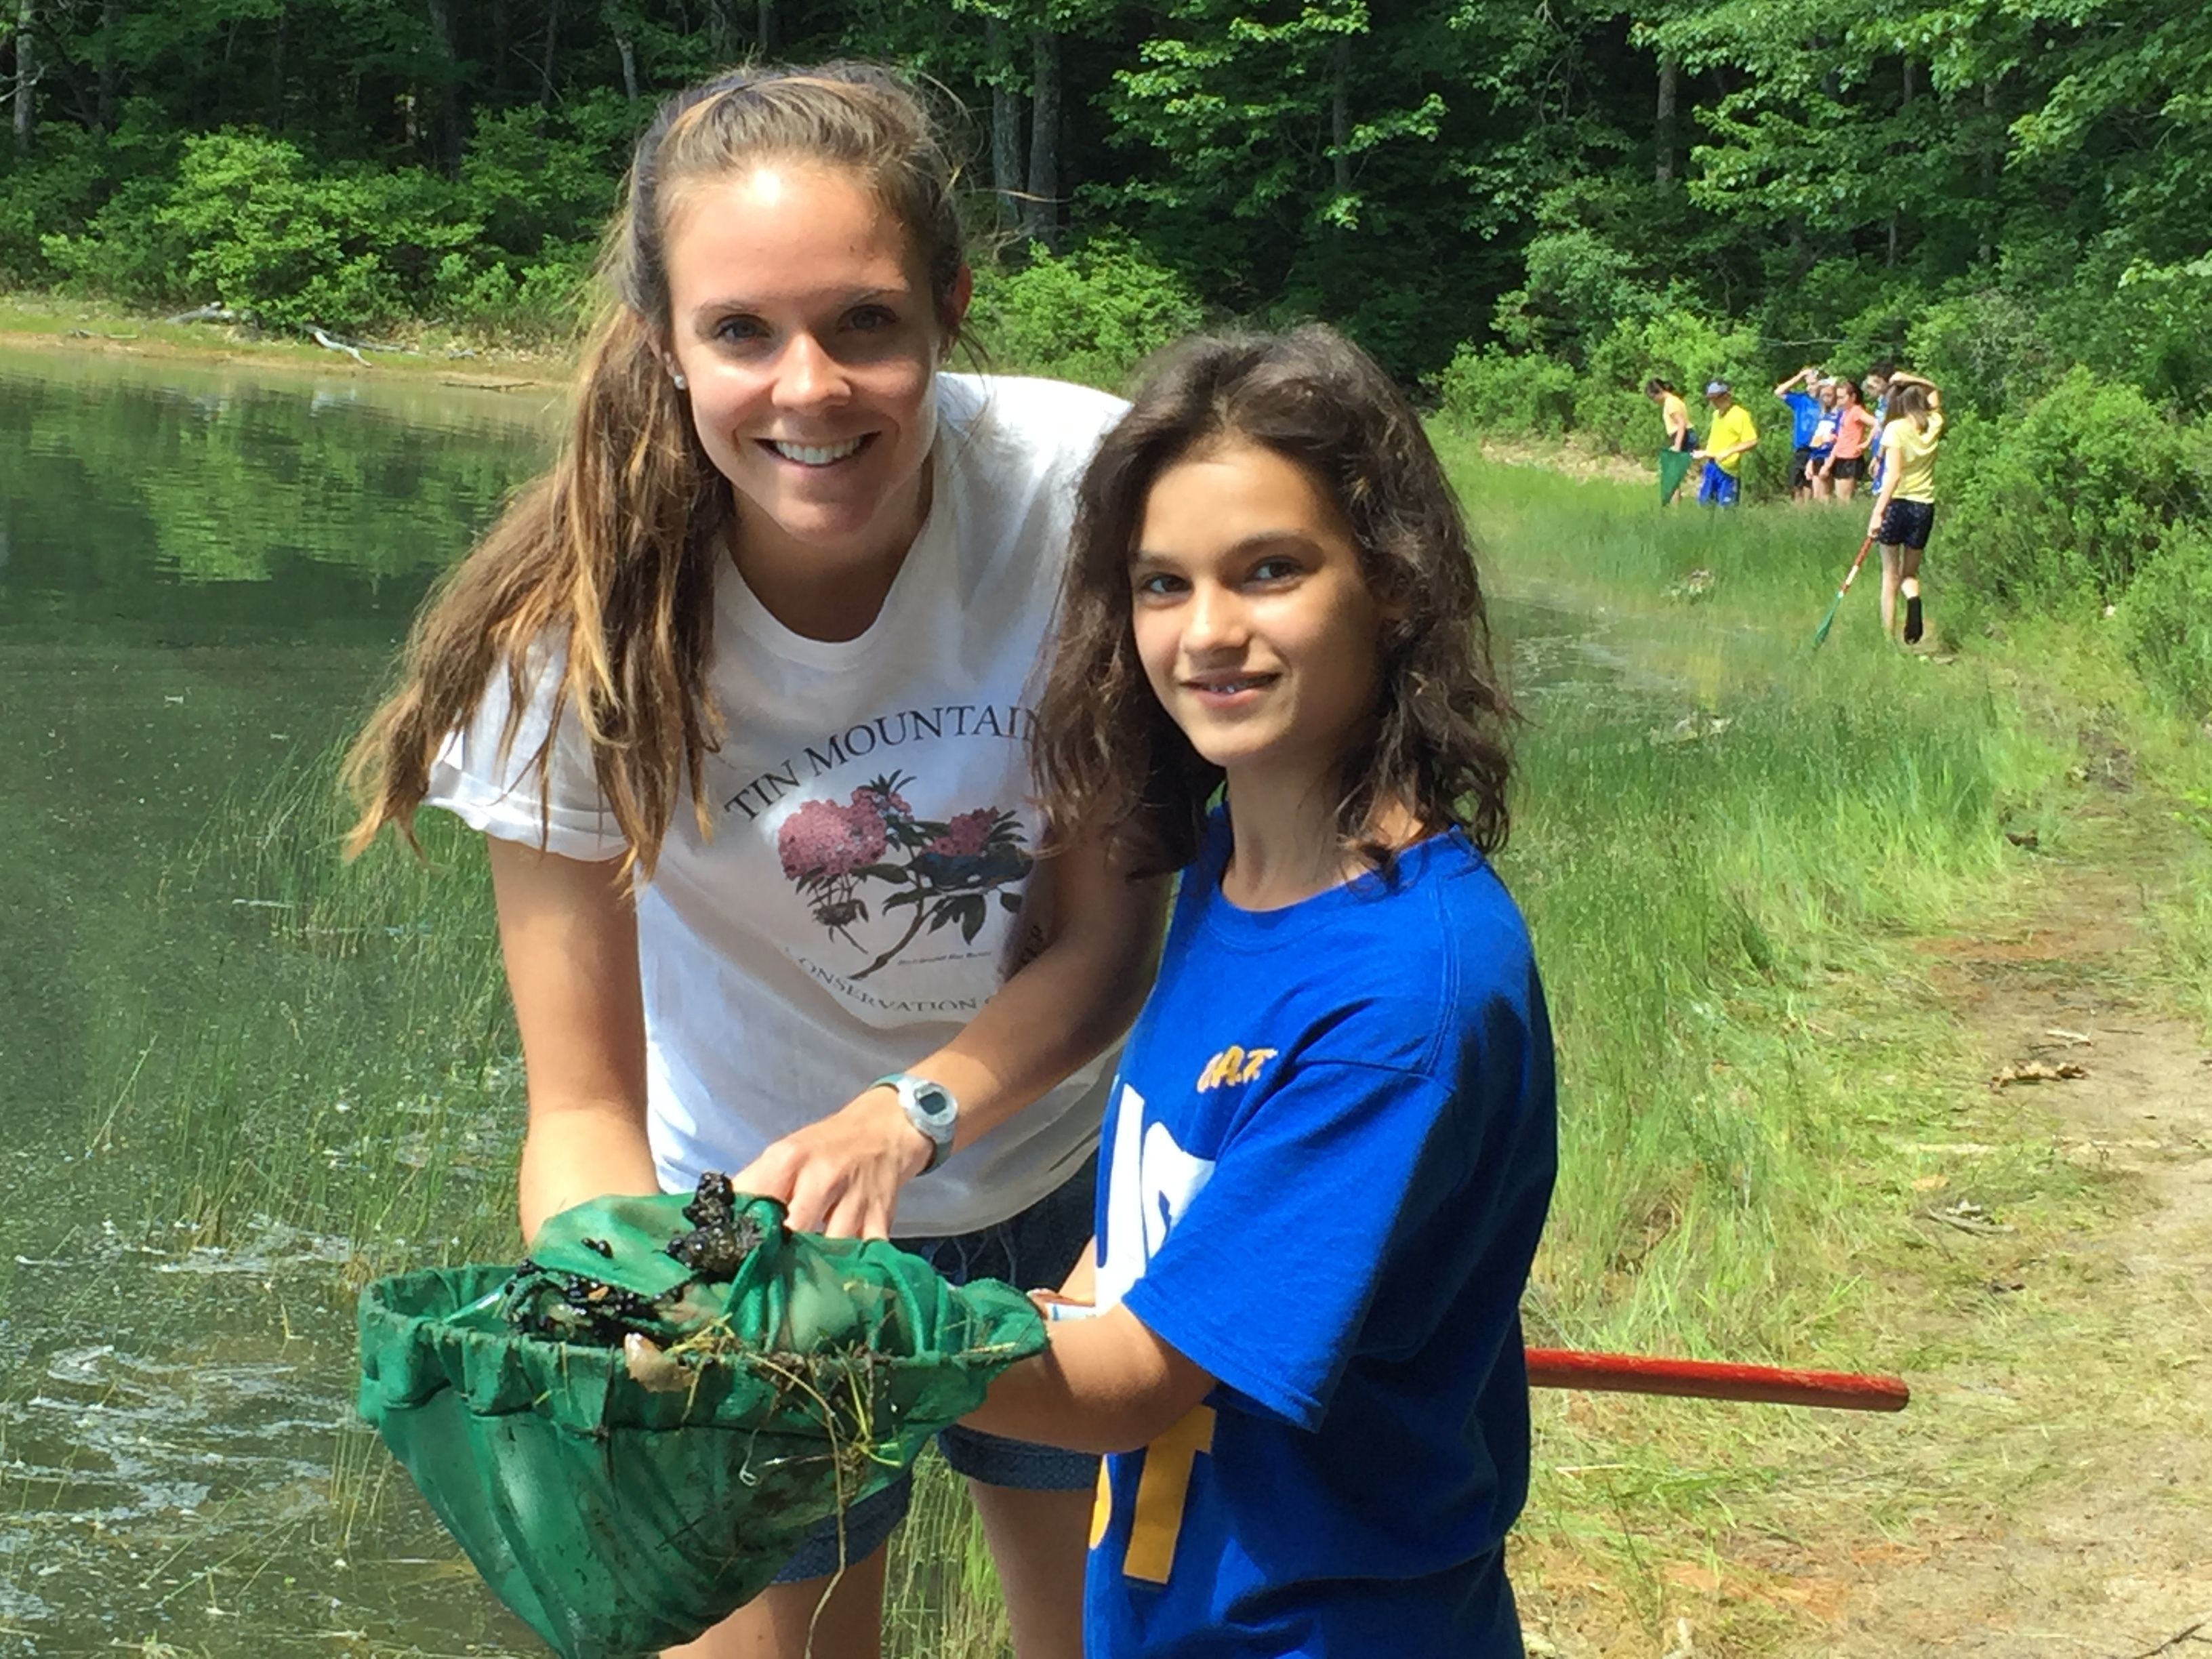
(1704, 1379)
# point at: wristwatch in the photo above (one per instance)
(929, 1107)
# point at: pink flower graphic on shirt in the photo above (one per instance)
(966, 834)
(943, 874)
(825, 839)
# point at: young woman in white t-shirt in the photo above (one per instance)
(738, 693)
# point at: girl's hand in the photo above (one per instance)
(842, 1175)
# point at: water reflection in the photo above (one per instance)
(200, 585)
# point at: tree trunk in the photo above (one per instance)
(1990, 158)
(1904, 102)
(27, 76)
(1662, 123)
(446, 118)
(277, 76)
(503, 42)
(552, 38)
(619, 26)
(1340, 118)
(1042, 218)
(1007, 180)
(110, 24)
(764, 28)
(722, 30)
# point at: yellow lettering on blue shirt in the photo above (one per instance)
(1162, 1489)
(1233, 1065)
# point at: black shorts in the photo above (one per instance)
(1906, 523)
(1853, 466)
(1801, 462)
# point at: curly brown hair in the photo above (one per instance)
(1110, 760)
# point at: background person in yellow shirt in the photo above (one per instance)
(1731, 438)
(1672, 411)
(1904, 508)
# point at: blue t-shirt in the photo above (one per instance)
(1331, 1145)
(1804, 417)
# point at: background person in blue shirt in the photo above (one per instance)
(1801, 392)
(1332, 1134)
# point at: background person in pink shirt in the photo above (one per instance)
(1846, 462)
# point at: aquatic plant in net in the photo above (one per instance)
(618, 1506)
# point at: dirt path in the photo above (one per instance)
(2092, 1389)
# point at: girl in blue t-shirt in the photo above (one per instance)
(1330, 1142)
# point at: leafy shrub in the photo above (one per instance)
(544, 296)
(2074, 496)
(1988, 349)
(1489, 389)
(535, 178)
(58, 185)
(1677, 346)
(1092, 315)
(2166, 616)
(1577, 287)
(267, 233)
(125, 251)
(2154, 327)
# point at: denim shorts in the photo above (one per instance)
(1035, 1249)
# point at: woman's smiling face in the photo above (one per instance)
(802, 322)
(1252, 614)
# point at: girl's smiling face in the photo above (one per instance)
(1252, 617)
(803, 324)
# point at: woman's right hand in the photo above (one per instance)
(569, 933)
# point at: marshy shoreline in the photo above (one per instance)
(1786, 903)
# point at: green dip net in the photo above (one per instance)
(619, 1514)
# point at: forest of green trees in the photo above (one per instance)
(1527, 206)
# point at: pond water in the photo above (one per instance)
(224, 1063)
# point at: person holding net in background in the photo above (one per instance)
(736, 695)
(1678, 440)
(1905, 504)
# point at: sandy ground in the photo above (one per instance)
(2111, 1556)
(2049, 1491)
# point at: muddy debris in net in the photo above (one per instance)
(721, 1239)
(574, 1309)
(579, 1308)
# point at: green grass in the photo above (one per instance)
(1754, 1069)
(1752, 1066)
(352, 1070)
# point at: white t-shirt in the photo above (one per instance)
(864, 891)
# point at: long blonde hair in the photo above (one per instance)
(613, 552)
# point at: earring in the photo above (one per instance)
(681, 385)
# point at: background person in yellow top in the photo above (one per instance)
(1733, 437)
(1672, 410)
(1674, 455)
(1904, 508)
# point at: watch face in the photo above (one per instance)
(934, 1099)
